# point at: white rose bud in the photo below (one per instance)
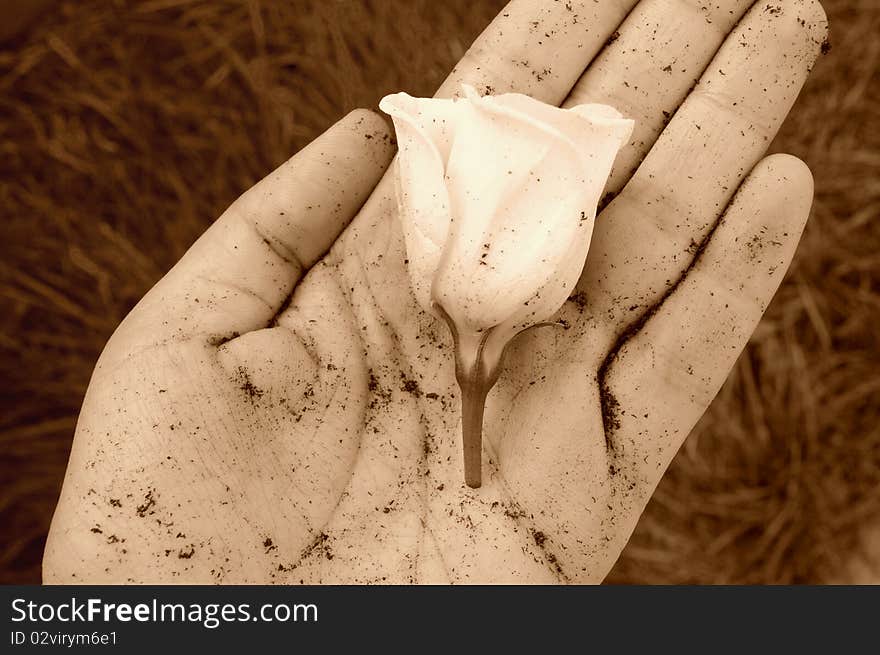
(497, 199)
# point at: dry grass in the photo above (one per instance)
(126, 127)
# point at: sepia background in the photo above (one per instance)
(127, 127)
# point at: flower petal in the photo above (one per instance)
(524, 179)
(425, 129)
(597, 132)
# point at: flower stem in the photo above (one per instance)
(477, 365)
(473, 402)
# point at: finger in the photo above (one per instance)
(645, 238)
(537, 48)
(650, 64)
(236, 276)
(665, 376)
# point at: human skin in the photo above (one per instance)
(272, 413)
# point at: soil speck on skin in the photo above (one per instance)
(247, 385)
(149, 502)
(826, 46)
(605, 201)
(610, 408)
(551, 558)
(755, 246)
(320, 543)
(540, 540)
(380, 395)
(410, 386)
(186, 553)
(269, 545)
(579, 299)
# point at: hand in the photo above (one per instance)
(231, 435)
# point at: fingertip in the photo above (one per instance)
(373, 130)
(791, 170)
(812, 16)
(790, 181)
(362, 117)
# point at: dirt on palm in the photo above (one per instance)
(127, 127)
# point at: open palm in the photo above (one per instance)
(269, 413)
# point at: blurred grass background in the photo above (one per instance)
(127, 127)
